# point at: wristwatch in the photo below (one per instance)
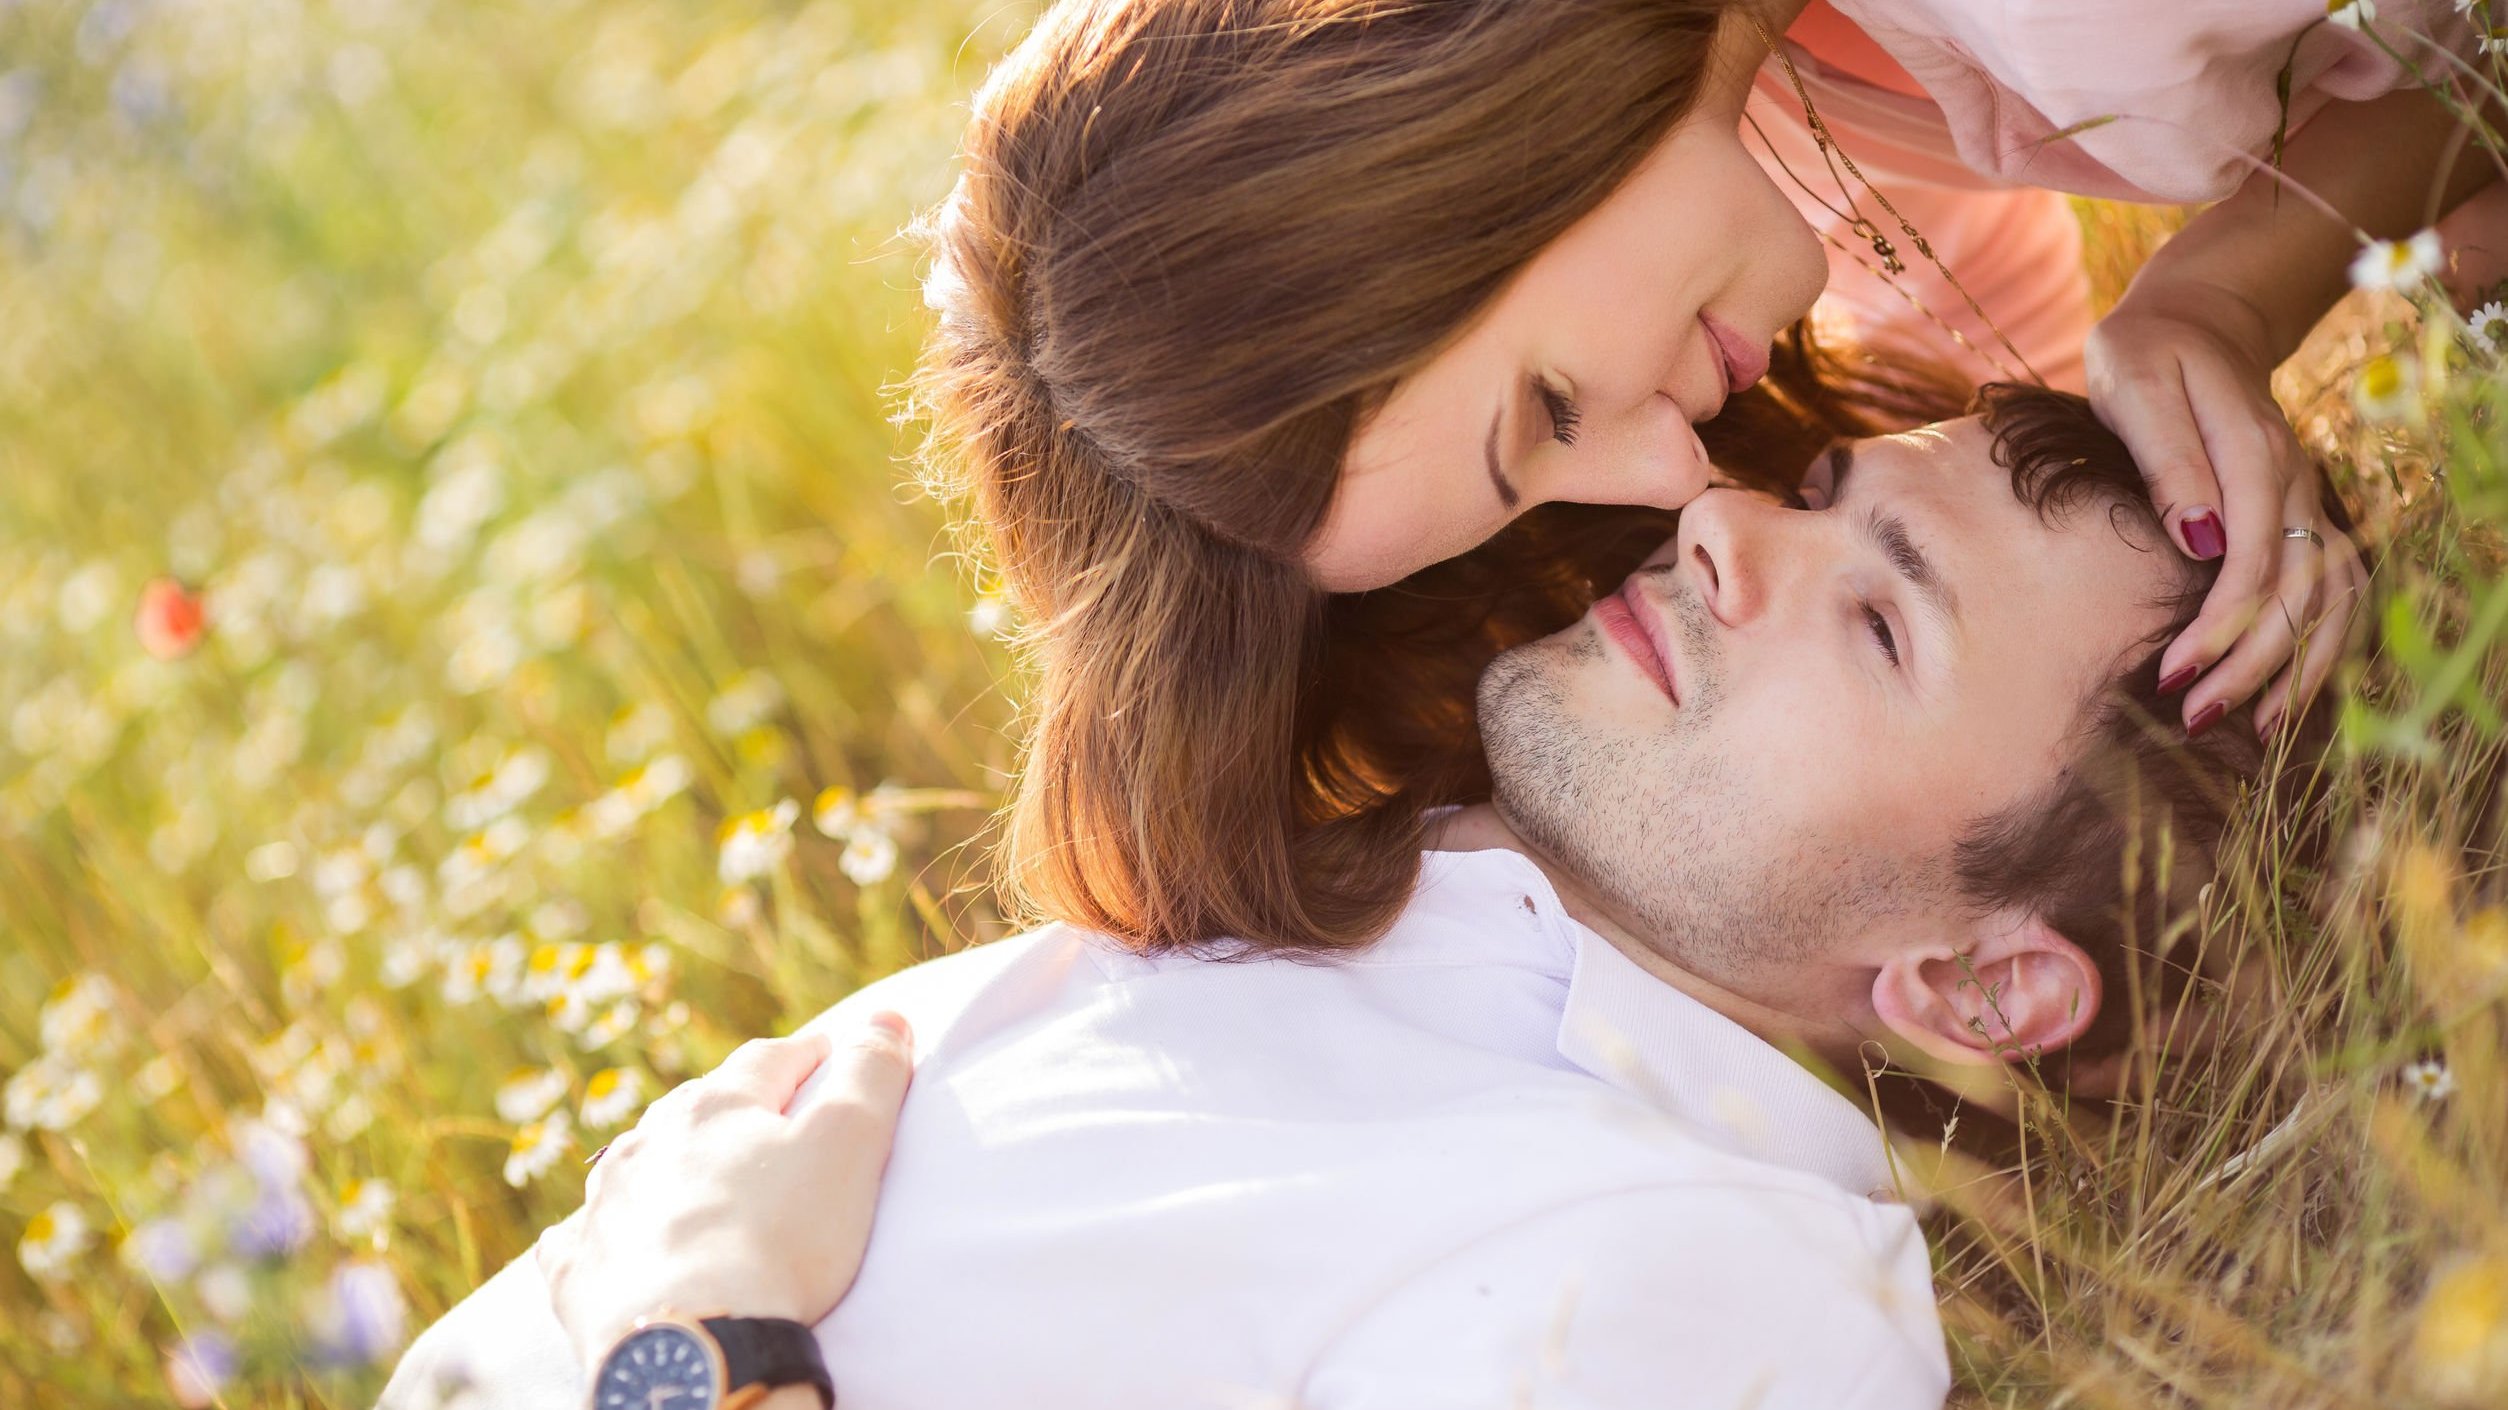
(708, 1363)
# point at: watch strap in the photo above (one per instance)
(770, 1352)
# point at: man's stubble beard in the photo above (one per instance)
(1655, 824)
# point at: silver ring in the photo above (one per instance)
(2310, 535)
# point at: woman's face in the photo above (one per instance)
(1582, 380)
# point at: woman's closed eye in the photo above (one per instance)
(1562, 411)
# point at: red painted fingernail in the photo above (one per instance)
(2205, 718)
(2179, 679)
(2204, 538)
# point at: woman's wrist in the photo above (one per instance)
(2224, 311)
(2258, 294)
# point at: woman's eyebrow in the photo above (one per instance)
(1507, 493)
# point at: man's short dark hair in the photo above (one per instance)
(2137, 783)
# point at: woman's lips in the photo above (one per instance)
(1618, 615)
(1742, 361)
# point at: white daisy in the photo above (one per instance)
(612, 1024)
(656, 781)
(739, 907)
(836, 812)
(53, 1240)
(2429, 1079)
(2489, 327)
(2386, 388)
(608, 972)
(50, 1094)
(2400, 265)
(550, 968)
(365, 1207)
(636, 731)
(79, 1016)
(537, 1147)
(529, 1093)
(869, 858)
(2350, 14)
(745, 703)
(753, 844)
(612, 1096)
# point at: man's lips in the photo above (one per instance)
(1627, 619)
(1742, 361)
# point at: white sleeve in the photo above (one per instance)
(1659, 1297)
(501, 1348)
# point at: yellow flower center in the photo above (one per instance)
(2382, 378)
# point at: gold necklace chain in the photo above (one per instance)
(1880, 273)
(1882, 247)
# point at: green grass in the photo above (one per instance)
(515, 381)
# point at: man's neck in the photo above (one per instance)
(1482, 828)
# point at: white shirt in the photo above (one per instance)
(1487, 1162)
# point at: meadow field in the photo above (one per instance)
(471, 653)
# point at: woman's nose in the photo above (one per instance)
(1651, 455)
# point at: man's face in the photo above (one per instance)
(1759, 755)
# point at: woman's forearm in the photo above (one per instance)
(2378, 163)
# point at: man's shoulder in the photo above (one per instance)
(940, 993)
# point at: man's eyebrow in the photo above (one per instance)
(1889, 533)
(1507, 493)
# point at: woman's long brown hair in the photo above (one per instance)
(1194, 242)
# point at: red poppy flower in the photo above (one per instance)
(170, 620)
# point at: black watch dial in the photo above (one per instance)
(661, 1367)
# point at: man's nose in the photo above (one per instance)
(1733, 549)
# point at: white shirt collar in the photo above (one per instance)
(1725, 1084)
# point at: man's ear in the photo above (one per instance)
(2019, 989)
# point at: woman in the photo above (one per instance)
(1245, 303)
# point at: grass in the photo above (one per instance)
(512, 381)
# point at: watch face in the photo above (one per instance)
(661, 1367)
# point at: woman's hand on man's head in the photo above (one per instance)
(722, 1201)
(2182, 372)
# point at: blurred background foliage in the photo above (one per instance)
(468, 656)
(509, 386)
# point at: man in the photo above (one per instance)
(1810, 780)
